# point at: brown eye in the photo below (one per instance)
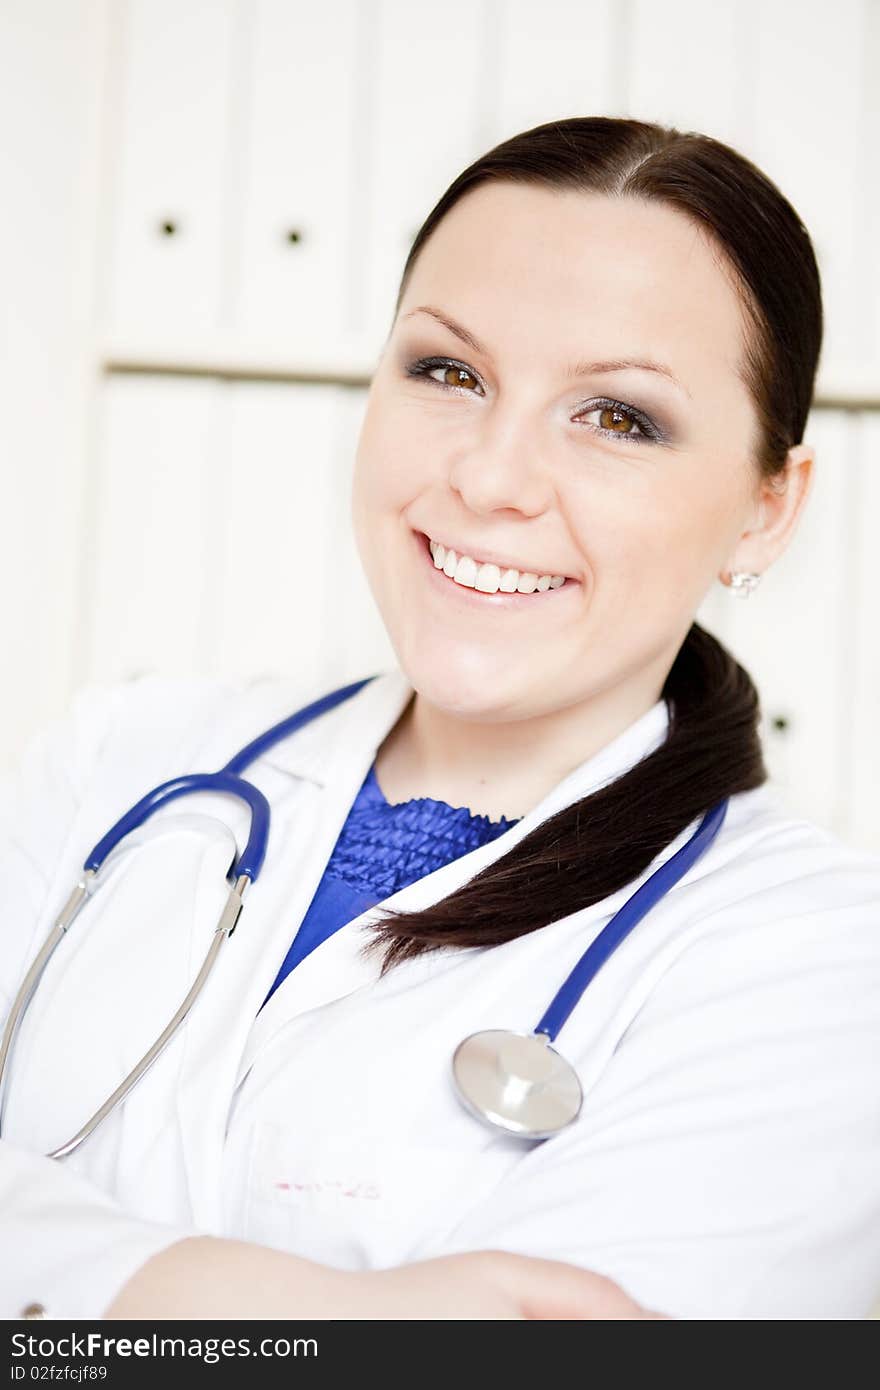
(444, 372)
(456, 376)
(619, 421)
(616, 420)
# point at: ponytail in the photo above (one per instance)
(596, 846)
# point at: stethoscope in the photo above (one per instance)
(513, 1082)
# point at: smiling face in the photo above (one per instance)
(515, 447)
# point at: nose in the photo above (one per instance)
(503, 471)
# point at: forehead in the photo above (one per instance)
(565, 272)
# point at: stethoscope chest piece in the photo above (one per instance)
(516, 1082)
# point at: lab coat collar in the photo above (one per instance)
(314, 752)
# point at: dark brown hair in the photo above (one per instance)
(596, 846)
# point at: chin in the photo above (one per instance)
(466, 689)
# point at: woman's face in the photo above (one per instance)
(515, 446)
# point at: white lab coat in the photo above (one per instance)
(726, 1162)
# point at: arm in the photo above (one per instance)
(68, 1247)
(215, 1278)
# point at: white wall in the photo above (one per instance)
(51, 117)
(239, 122)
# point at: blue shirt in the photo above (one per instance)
(382, 848)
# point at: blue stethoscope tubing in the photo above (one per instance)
(514, 1082)
(229, 781)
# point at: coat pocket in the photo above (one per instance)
(362, 1202)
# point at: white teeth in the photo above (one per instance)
(466, 572)
(489, 578)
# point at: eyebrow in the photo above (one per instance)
(575, 370)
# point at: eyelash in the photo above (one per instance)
(650, 433)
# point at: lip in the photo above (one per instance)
(475, 598)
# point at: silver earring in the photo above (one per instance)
(742, 583)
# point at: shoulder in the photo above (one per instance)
(155, 721)
(781, 922)
(113, 742)
(775, 862)
(117, 738)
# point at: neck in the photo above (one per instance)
(501, 768)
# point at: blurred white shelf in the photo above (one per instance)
(349, 364)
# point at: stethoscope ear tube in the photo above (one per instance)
(80, 891)
(224, 929)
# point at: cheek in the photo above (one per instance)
(383, 484)
(370, 477)
(703, 519)
(359, 498)
(387, 468)
(653, 548)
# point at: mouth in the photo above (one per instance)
(531, 590)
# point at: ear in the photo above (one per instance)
(779, 504)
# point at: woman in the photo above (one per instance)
(589, 409)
